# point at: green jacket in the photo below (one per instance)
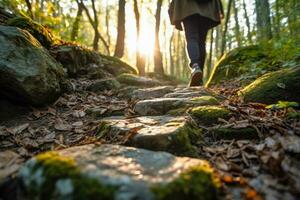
(180, 9)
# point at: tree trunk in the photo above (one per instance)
(263, 19)
(247, 23)
(158, 64)
(95, 23)
(107, 24)
(29, 8)
(226, 27)
(140, 61)
(120, 45)
(75, 27)
(171, 54)
(237, 25)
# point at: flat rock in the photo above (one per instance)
(151, 93)
(161, 106)
(115, 172)
(158, 133)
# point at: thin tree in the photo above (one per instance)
(140, 60)
(158, 63)
(263, 19)
(120, 45)
(75, 26)
(226, 27)
(249, 36)
(95, 24)
(237, 29)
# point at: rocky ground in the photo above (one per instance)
(252, 150)
(76, 124)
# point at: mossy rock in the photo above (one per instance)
(134, 80)
(51, 176)
(209, 115)
(41, 33)
(243, 61)
(158, 133)
(115, 172)
(116, 66)
(197, 183)
(205, 100)
(79, 60)
(248, 133)
(282, 85)
(28, 74)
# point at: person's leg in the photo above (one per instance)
(203, 30)
(191, 29)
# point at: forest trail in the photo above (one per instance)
(203, 124)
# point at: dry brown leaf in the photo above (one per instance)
(18, 129)
(61, 125)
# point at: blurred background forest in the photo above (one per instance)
(139, 31)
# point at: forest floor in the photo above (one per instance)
(264, 168)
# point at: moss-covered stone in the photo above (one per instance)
(243, 61)
(41, 33)
(51, 176)
(116, 66)
(205, 100)
(197, 183)
(281, 85)
(209, 115)
(235, 134)
(178, 111)
(134, 80)
(79, 60)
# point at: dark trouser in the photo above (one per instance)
(196, 28)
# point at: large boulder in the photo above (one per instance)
(28, 74)
(41, 33)
(114, 172)
(80, 61)
(282, 85)
(249, 61)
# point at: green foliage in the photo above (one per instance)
(197, 183)
(42, 34)
(283, 104)
(56, 168)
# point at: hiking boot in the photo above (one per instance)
(196, 76)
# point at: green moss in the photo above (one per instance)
(183, 140)
(235, 134)
(209, 115)
(177, 112)
(197, 183)
(42, 34)
(205, 100)
(57, 168)
(282, 85)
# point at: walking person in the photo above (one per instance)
(197, 17)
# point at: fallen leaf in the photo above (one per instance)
(61, 125)
(18, 129)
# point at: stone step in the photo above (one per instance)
(161, 106)
(159, 133)
(116, 172)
